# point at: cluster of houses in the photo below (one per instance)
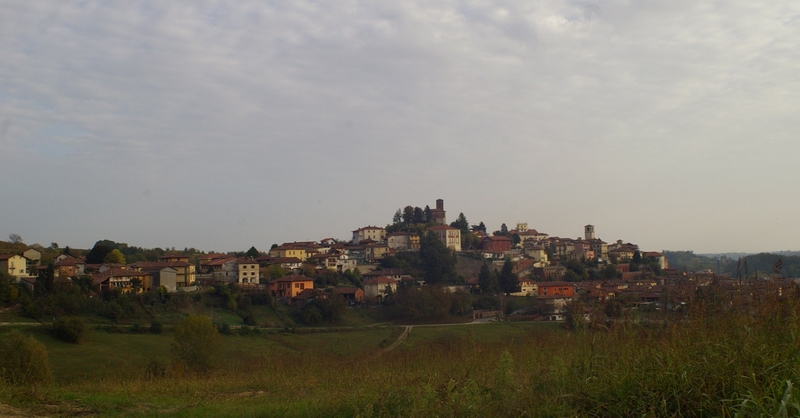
(535, 254)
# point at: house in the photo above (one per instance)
(378, 287)
(33, 255)
(564, 289)
(374, 233)
(123, 279)
(307, 295)
(375, 252)
(550, 272)
(527, 287)
(657, 257)
(69, 267)
(185, 275)
(166, 277)
(14, 265)
(290, 286)
(287, 250)
(394, 274)
(531, 235)
(247, 270)
(495, 246)
(403, 241)
(350, 294)
(536, 252)
(451, 237)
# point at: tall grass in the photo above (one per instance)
(726, 364)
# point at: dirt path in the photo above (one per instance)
(400, 339)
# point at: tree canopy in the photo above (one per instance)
(438, 261)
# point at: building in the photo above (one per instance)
(451, 237)
(14, 265)
(564, 289)
(287, 250)
(32, 254)
(185, 274)
(378, 287)
(438, 214)
(588, 232)
(498, 245)
(374, 233)
(122, 279)
(290, 286)
(247, 270)
(403, 241)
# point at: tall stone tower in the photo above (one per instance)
(588, 232)
(438, 214)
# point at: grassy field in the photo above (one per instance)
(702, 366)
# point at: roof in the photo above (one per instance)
(7, 256)
(116, 272)
(293, 278)
(346, 290)
(380, 280)
(159, 264)
(367, 227)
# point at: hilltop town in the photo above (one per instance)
(419, 249)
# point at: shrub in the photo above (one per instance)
(23, 360)
(156, 327)
(224, 329)
(69, 329)
(197, 343)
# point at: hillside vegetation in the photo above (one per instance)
(716, 361)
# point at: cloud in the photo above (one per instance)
(212, 111)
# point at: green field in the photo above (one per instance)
(731, 365)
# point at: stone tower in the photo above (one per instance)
(438, 214)
(588, 232)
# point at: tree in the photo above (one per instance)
(398, 216)
(461, 223)
(480, 227)
(197, 343)
(438, 262)
(70, 330)
(114, 257)
(503, 229)
(427, 213)
(507, 280)
(54, 245)
(44, 281)
(15, 239)
(419, 215)
(98, 253)
(23, 360)
(408, 214)
(637, 257)
(487, 280)
(252, 252)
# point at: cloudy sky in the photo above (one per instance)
(221, 124)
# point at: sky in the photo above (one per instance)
(222, 125)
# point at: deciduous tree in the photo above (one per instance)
(197, 343)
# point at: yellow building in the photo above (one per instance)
(14, 265)
(289, 250)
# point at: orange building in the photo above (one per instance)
(564, 289)
(290, 286)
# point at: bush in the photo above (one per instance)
(197, 343)
(23, 360)
(69, 329)
(156, 327)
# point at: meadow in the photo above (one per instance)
(700, 365)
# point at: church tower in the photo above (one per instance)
(588, 232)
